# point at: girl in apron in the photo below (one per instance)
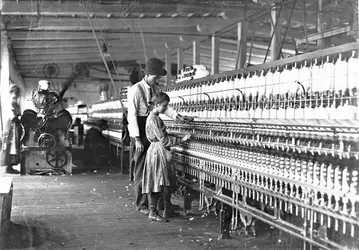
(10, 154)
(159, 174)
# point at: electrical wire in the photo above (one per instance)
(99, 47)
(274, 25)
(274, 31)
(137, 49)
(305, 24)
(108, 48)
(134, 38)
(280, 53)
(239, 42)
(143, 43)
(252, 41)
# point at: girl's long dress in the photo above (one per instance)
(159, 169)
(10, 153)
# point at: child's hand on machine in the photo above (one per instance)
(188, 118)
(184, 118)
(186, 138)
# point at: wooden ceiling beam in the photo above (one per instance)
(130, 43)
(148, 15)
(226, 48)
(65, 69)
(35, 33)
(54, 53)
(49, 23)
(72, 61)
(35, 78)
(58, 59)
(65, 72)
(72, 36)
(120, 9)
(68, 64)
(115, 9)
(61, 62)
(77, 31)
(29, 66)
(94, 54)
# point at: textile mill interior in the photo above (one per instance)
(179, 124)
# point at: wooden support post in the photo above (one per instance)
(277, 30)
(242, 44)
(179, 59)
(320, 29)
(5, 75)
(168, 68)
(215, 54)
(196, 52)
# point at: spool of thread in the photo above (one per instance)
(103, 96)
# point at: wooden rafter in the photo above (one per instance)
(61, 33)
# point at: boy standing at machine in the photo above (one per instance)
(139, 96)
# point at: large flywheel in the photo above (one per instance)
(56, 159)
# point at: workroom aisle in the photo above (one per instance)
(95, 211)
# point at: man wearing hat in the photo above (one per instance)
(139, 96)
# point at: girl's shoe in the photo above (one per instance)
(144, 211)
(156, 217)
(10, 170)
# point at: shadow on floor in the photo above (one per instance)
(21, 236)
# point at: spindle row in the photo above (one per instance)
(315, 143)
(328, 208)
(336, 178)
(321, 89)
(109, 110)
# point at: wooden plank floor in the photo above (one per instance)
(96, 211)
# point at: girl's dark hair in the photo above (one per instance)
(14, 89)
(158, 99)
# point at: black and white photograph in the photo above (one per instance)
(179, 124)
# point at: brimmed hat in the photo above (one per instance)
(155, 66)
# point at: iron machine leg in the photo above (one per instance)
(225, 221)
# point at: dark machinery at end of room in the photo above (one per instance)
(46, 143)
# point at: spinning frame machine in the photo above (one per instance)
(281, 146)
(114, 113)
